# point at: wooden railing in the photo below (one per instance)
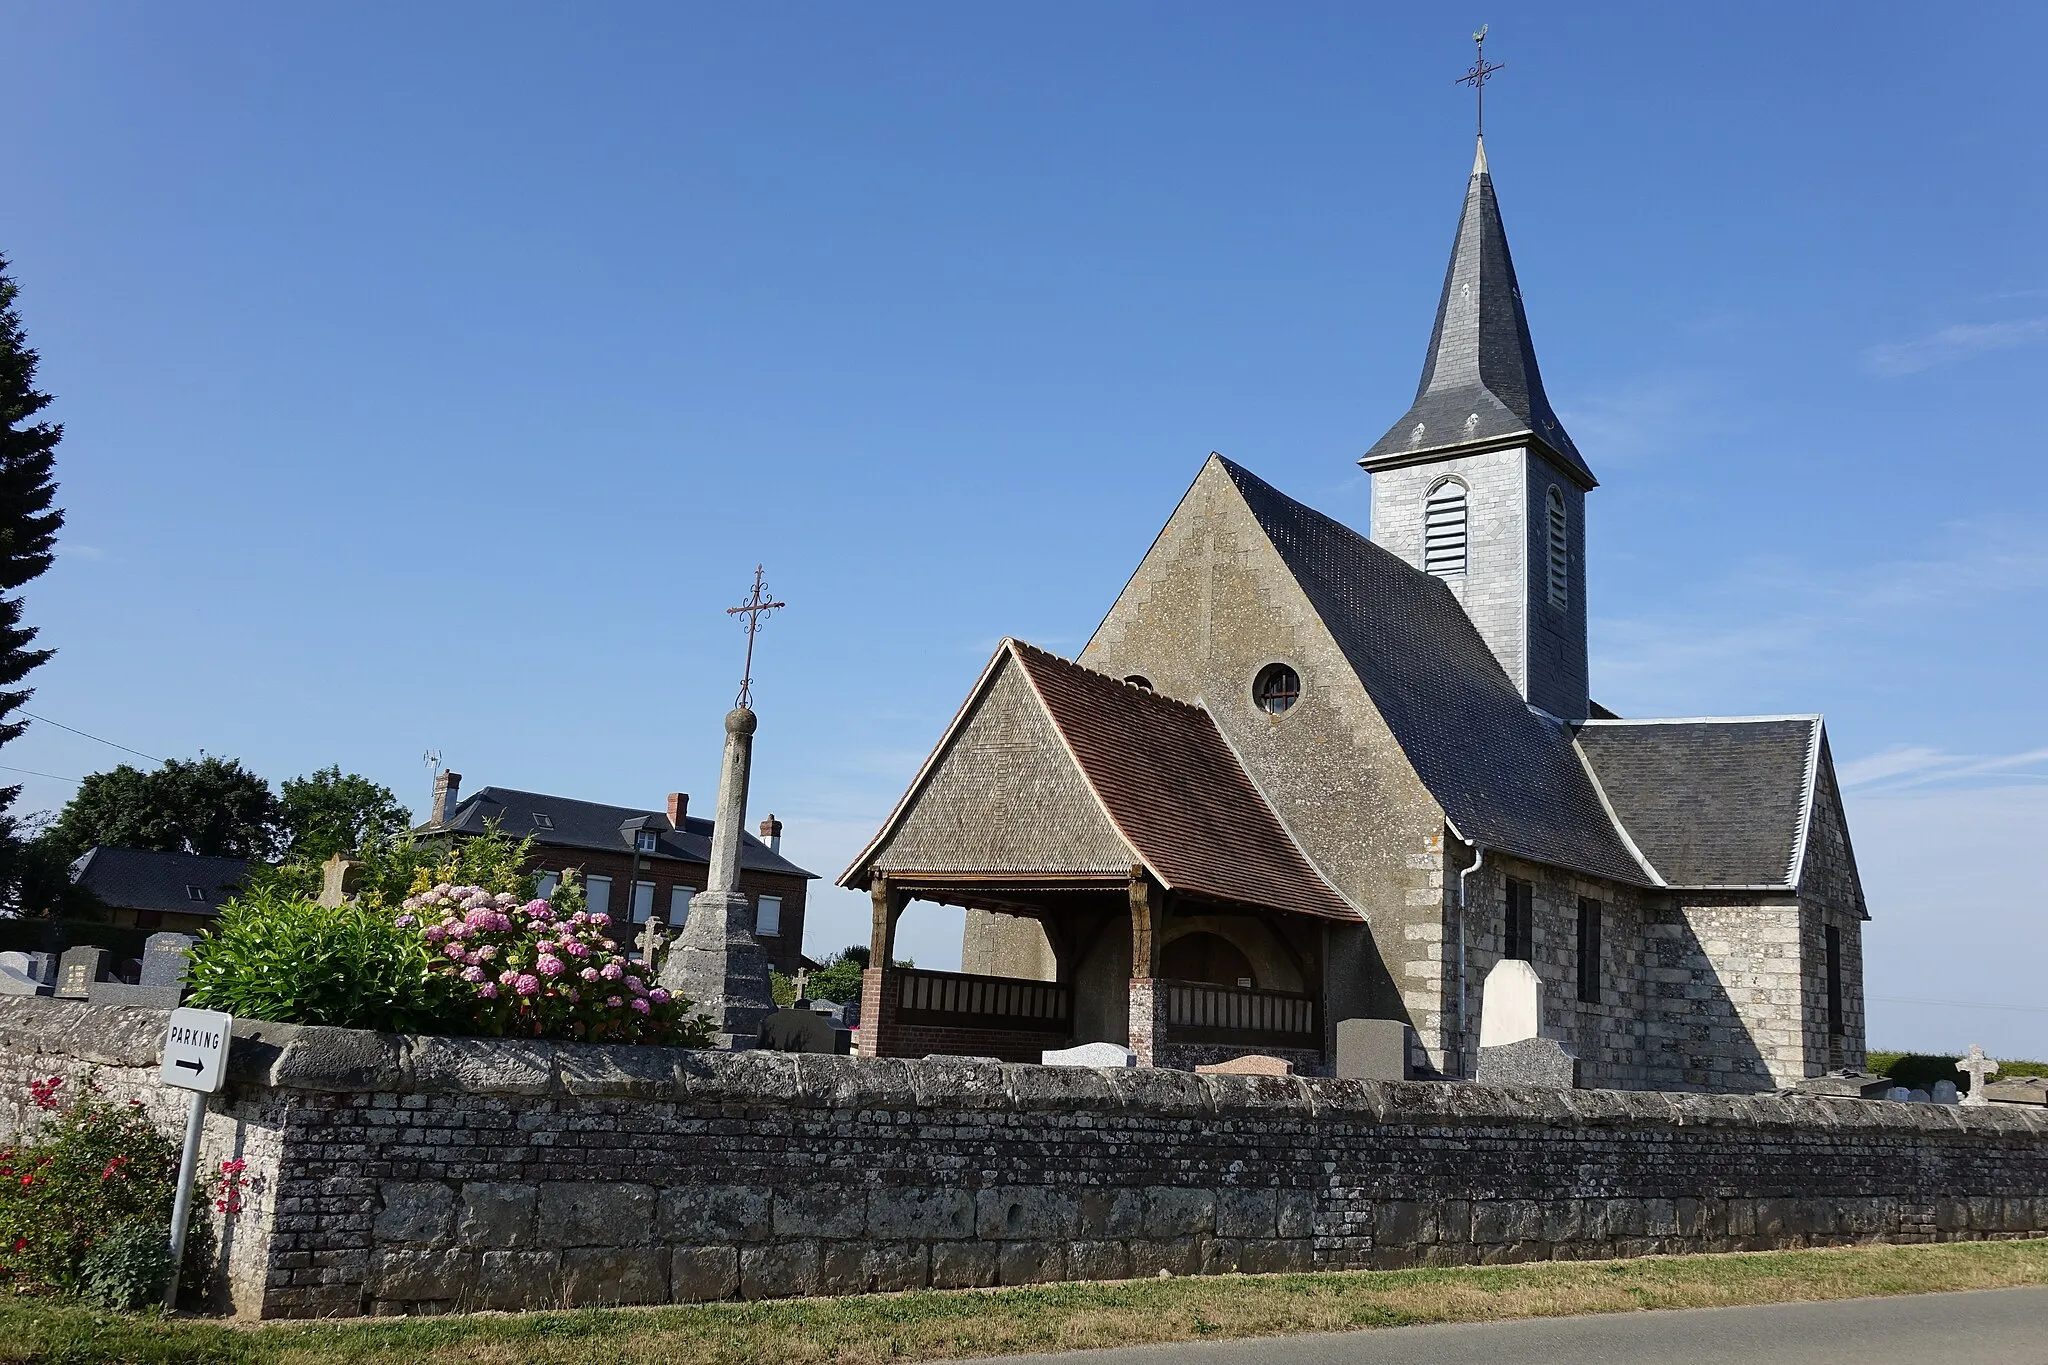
(1197, 1012)
(955, 1000)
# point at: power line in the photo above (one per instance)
(33, 773)
(1961, 1004)
(94, 738)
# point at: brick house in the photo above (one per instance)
(144, 889)
(1299, 774)
(662, 855)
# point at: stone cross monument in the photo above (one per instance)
(1978, 1067)
(715, 962)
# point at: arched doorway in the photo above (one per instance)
(1208, 958)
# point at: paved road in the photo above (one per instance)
(1987, 1327)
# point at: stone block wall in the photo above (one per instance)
(402, 1175)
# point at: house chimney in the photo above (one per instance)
(678, 808)
(771, 834)
(447, 787)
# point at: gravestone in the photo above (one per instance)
(165, 958)
(1917, 1096)
(1977, 1067)
(959, 1057)
(1944, 1092)
(1529, 1061)
(795, 1030)
(1372, 1049)
(1899, 1093)
(17, 975)
(1855, 1085)
(1510, 1004)
(1251, 1064)
(2017, 1090)
(78, 969)
(1090, 1054)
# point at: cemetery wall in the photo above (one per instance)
(401, 1175)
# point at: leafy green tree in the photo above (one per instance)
(29, 521)
(325, 813)
(212, 805)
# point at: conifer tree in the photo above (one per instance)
(29, 520)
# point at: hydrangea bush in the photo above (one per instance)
(533, 969)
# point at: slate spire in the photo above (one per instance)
(1480, 387)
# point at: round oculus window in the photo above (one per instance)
(1139, 680)
(1276, 688)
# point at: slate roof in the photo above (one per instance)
(1713, 802)
(1506, 776)
(1480, 385)
(588, 824)
(142, 879)
(1168, 782)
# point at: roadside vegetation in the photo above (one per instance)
(870, 1329)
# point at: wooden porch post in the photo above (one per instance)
(1148, 1026)
(877, 1002)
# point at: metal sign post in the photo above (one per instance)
(195, 1059)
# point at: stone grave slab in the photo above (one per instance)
(78, 969)
(1251, 1064)
(1945, 1092)
(795, 1030)
(2018, 1090)
(165, 958)
(140, 997)
(1854, 1085)
(17, 975)
(1373, 1049)
(959, 1057)
(1510, 1004)
(1529, 1061)
(1899, 1093)
(1090, 1054)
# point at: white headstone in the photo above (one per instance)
(1945, 1092)
(1899, 1093)
(1090, 1054)
(17, 975)
(1510, 1004)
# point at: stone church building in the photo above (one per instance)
(1300, 775)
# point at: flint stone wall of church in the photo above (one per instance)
(395, 1175)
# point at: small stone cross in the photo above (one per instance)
(650, 941)
(803, 983)
(1977, 1066)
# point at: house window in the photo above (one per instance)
(1139, 680)
(1518, 935)
(768, 915)
(547, 884)
(1834, 943)
(195, 893)
(543, 821)
(1589, 950)
(1443, 530)
(1276, 688)
(643, 901)
(1560, 558)
(646, 840)
(679, 905)
(598, 891)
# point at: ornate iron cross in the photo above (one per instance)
(1481, 72)
(756, 603)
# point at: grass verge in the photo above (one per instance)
(930, 1326)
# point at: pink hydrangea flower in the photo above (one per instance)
(636, 985)
(527, 985)
(611, 971)
(640, 1005)
(600, 918)
(615, 1002)
(588, 974)
(507, 977)
(539, 909)
(658, 996)
(453, 950)
(406, 921)
(488, 951)
(551, 966)
(435, 933)
(473, 975)
(487, 991)
(574, 949)
(573, 996)
(546, 945)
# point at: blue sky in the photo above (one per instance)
(435, 375)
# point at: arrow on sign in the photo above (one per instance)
(189, 1065)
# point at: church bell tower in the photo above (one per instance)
(1479, 483)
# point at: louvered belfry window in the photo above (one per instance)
(1443, 530)
(1560, 558)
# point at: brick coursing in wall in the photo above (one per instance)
(415, 1175)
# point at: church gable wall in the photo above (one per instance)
(1831, 896)
(1005, 797)
(1729, 991)
(1211, 605)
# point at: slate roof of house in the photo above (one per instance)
(1711, 802)
(588, 824)
(1480, 385)
(142, 879)
(1167, 780)
(1505, 775)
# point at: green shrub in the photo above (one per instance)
(84, 1194)
(277, 956)
(838, 980)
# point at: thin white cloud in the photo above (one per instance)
(1952, 344)
(1643, 418)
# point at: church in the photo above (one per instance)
(1301, 775)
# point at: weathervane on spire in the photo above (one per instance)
(757, 602)
(1481, 72)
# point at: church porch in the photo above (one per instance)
(1217, 979)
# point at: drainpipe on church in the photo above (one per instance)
(1479, 857)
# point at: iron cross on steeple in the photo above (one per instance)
(752, 608)
(1481, 72)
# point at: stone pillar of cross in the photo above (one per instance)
(1977, 1067)
(650, 942)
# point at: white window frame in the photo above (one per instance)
(767, 920)
(597, 890)
(679, 904)
(643, 902)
